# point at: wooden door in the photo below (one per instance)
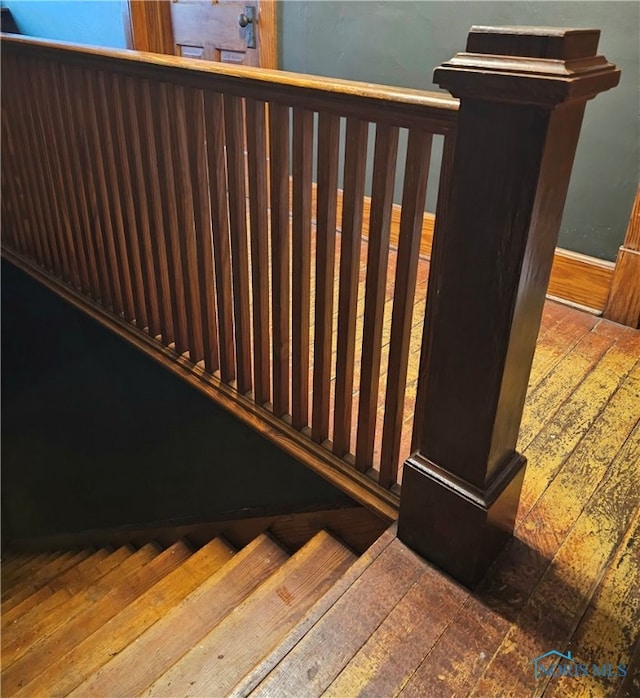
(218, 30)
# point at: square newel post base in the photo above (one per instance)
(457, 526)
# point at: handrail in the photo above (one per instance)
(403, 106)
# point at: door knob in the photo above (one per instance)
(248, 20)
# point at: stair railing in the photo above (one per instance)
(214, 215)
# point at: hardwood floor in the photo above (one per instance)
(568, 581)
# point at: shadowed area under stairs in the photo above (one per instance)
(95, 435)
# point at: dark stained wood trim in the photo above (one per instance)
(461, 487)
(401, 107)
(623, 304)
(268, 33)
(151, 27)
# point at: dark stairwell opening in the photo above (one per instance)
(96, 435)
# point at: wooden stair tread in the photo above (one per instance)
(20, 642)
(357, 569)
(11, 564)
(60, 588)
(33, 583)
(30, 571)
(248, 633)
(113, 637)
(157, 649)
(12, 561)
(94, 615)
(315, 662)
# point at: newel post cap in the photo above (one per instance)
(542, 66)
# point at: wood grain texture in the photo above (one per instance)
(163, 132)
(310, 667)
(38, 578)
(384, 172)
(196, 144)
(258, 210)
(151, 26)
(236, 178)
(268, 33)
(623, 304)
(250, 680)
(302, 154)
(275, 607)
(122, 179)
(435, 111)
(328, 144)
(46, 598)
(101, 163)
(55, 93)
(184, 194)
(129, 673)
(45, 126)
(74, 121)
(413, 200)
(74, 630)
(36, 630)
(131, 94)
(214, 124)
(279, 150)
(352, 222)
(146, 125)
(99, 647)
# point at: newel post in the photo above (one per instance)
(522, 96)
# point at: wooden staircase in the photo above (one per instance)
(154, 621)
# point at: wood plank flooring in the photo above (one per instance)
(568, 581)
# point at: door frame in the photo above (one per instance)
(150, 27)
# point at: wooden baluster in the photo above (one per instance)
(109, 204)
(196, 142)
(16, 151)
(170, 215)
(184, 196)
(301, 279)
(139, 170)
(516, 137)
(214, 124)
(234, 132)
(352, 204)
(258, 198)
(20, 151)
(78, 174)
(413, 200)
(124, 166)
(64, 145)
(48, 138)
(378, 254)
(442, 207)
(146, 126)
(91, 174)
(280, 240)
(328, 144)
